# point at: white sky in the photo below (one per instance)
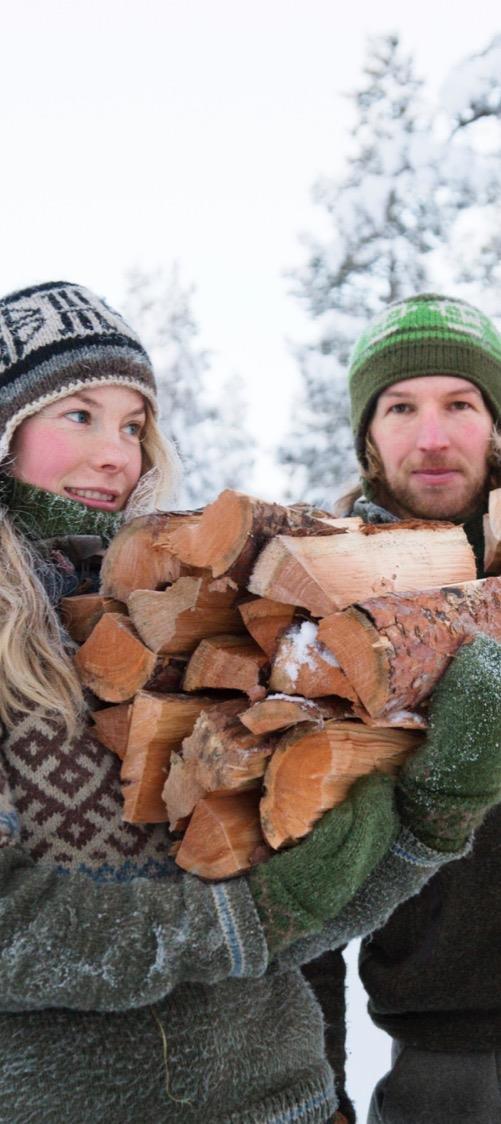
(148, 131)
(139, 132)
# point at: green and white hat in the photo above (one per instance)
(57, 338)
(426, 334)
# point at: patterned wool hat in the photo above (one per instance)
(56, 338)
(423, 335)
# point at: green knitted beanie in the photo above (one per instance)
(424, 335)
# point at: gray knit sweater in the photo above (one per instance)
(133, 992)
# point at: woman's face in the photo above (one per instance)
(86, 446)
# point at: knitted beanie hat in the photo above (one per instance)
(423, 335)
(57, 338)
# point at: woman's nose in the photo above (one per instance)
(110, 452)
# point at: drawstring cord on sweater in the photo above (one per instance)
(165, 1050)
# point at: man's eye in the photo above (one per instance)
(461, 405)
(399, 408)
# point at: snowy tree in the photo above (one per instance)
(471, 96)
(393, 228)
(472, 90)
(199, 411)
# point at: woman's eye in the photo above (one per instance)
(81, 416)
(134, 429)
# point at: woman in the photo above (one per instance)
(131, 991)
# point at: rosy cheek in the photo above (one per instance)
(42, 459)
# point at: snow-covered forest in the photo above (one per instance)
(416, 207)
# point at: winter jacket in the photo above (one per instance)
(433, 973)
(131, 991)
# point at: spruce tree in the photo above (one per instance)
(384, 218)
(205, 423)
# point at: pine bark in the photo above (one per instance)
(394, 649)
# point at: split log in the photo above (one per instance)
(224, 753)
(230, 663)
(233, 529)
(220, 755)
(81, 613)
(113, 662)
(312, 771)
(111, 727)
(167, 675)
(175, 620)
(266, 621)
(222, 836)
(304, 666)
(278, 712)
(324, 574)
(492, 534)
(181, 792)
(394, 649)
(158, 724)
(139, 556)
(403, 719)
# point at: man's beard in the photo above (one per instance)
(454, 505)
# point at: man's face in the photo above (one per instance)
(433, 435)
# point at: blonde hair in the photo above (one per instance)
(36, 669)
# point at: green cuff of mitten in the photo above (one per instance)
(297, 890)
(442, 823)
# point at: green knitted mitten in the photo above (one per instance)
(297, 890)
(446, 787)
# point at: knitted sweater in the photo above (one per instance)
(134, 992)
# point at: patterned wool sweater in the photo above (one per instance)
(133, 992)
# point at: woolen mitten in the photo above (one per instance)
(445, 788)
(297, 890)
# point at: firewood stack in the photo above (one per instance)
(252, 660)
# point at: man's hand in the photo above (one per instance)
(445, 789)
(297, 890)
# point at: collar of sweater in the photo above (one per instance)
(43, 515)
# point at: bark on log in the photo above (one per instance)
(230, 663)
(158, 724)
(394, 649)
(222, 836)
(81, 613)
(266, 620)
(233, 529)
(492, 534)
(176, 619)
(139, 556)
(113, 662)
(312, 771)
(324, 574)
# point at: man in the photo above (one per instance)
(425, 385)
